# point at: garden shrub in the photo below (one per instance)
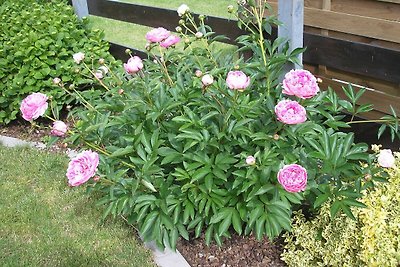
(199, 140)
(371, 240)
(37, 41)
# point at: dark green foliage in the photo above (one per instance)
(37, 41)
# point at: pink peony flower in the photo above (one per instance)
(59, 128)
(171, 40)
(386, 158)
(290, 112)
(237, 80)
(34, 106)
(133, 65)
(207, 80)
(78, 57)
(293, 178)
(250, 160)
(157, 35)
(82, 167)
(300, 83)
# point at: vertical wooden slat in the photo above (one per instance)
(326, 5)
(291, 14)
(81, 8)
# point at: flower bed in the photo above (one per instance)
(199, 142)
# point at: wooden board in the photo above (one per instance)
(371, 27)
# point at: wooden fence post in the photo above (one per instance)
(81, 8)
(291, 14)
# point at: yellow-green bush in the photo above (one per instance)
(372, 240)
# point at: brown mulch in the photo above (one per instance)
(23, 130)
(237, 251)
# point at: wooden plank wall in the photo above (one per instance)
(372, 22)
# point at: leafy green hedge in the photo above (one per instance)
(371, 240)
(37, 41)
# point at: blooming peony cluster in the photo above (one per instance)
(157, 35)
(293, 178)
(133, 65)
(290, 112)
(237, 80)
(300, 83)
(82, 167)
(34, 106)
(170, 41)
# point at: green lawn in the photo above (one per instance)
(133, 35)
(44, 222)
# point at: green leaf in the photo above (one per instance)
(265, 189)
(335, 207)
(224, 225)
(321, 199)
(353, 202)
(237, 222)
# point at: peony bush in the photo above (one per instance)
(197, 140)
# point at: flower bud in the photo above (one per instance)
(147, 46)
(98, 74)
(101, 61)
(276, 137)
(199, 35)
(77, 70)
(198, 73)
(319, 80)
(178, 29)
(71, 86)
(182, 10)
(230, 8)
(69, 107)
(65, 145)
(120, 91)
(250, 160)
(207, 80)
(96, 178)
(181, 22)
(56, 81)
(236, 67)
(128, 51)
(187, 40)
(202, 17)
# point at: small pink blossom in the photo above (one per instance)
(157, 35)
(386, 158)
(290, 112)
(293, 178)
(250, 160)
(300, 83)
(82, 167)
(34, 106)
(78, 57)
(237, 80)
(171, 40)
(207, 80)
(133, 65)
(59, 128)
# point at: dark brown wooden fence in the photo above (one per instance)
(351, 58)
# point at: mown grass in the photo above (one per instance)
(133, 35)
(43, 222)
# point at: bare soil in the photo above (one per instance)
(239, 251)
